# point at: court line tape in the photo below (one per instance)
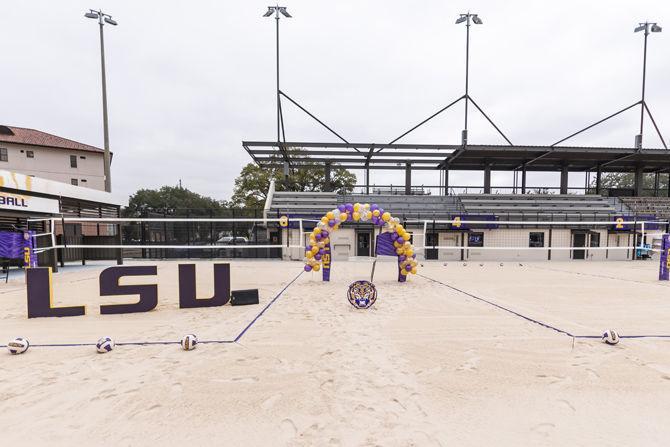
(260, 314)
(170, 342)
(532, 320)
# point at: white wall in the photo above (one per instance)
(54, 164)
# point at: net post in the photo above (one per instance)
(54, 250)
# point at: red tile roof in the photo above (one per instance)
(20, 135)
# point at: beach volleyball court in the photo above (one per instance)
(460, 354)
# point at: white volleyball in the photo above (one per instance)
(18, 346)
(610, 337)
(104, 345)
(189, 342)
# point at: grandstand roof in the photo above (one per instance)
(457, 157)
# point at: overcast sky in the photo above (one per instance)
(187, 84)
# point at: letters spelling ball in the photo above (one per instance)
(104, 345)
(189, 342)
(610, 337)
(18, 346)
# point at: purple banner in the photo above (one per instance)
(664, 269)
(325, 262)
(458, 223)
(13, 246)
(385, 247)
(619, 224)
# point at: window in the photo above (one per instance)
(82, 157)
(74, 181)
(476, 239)
(73, 161)
(3, 154)
(83, 180)
(30, 154)
(536, 240)
(595, 239)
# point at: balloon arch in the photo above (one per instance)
(393, 240)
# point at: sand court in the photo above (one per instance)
(426, 365)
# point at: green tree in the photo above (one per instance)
(251, 186)
(614, 180)
(172, 199)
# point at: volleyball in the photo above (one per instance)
(18, 346)
(610, 337)
(104, 345)
(362, 294)
(189, 342)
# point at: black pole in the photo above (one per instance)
(467, 74)
(644, 81)
(277, 92)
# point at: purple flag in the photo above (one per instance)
(13, 245)
(385, 247)
(325, 262)
(664, 270)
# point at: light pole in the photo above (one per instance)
(647, 27)
(477, 21)
(103, 18)
(276, 10)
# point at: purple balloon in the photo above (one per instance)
(317, 257)
(324, 233)
(349, 207)
(308, 268)
(331, 222)
(408, 267)
(381, 211)
(342, 208)
(401, 258)
(322, 251)
(318, 237)
(373, 207)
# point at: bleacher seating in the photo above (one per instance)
(657, 206)
(424, 206)
(303, 202)
(529, 204)
(549, 206)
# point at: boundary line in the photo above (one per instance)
(531, 320)
(169, 342)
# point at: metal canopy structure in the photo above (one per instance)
(456, 157)
(519, 159)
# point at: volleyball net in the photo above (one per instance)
(462, 239)
(165, 237)
(91, 238)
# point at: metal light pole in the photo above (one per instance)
(102, 19)
(477, 21)
(647, 27)
(277, 10)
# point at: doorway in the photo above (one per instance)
(363, 243)
(579, 240)
(431, 240)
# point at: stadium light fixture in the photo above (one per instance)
(478, 21)
(102, 19)
(277, 10)
(647, 27)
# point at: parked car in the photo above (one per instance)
(230, 240)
